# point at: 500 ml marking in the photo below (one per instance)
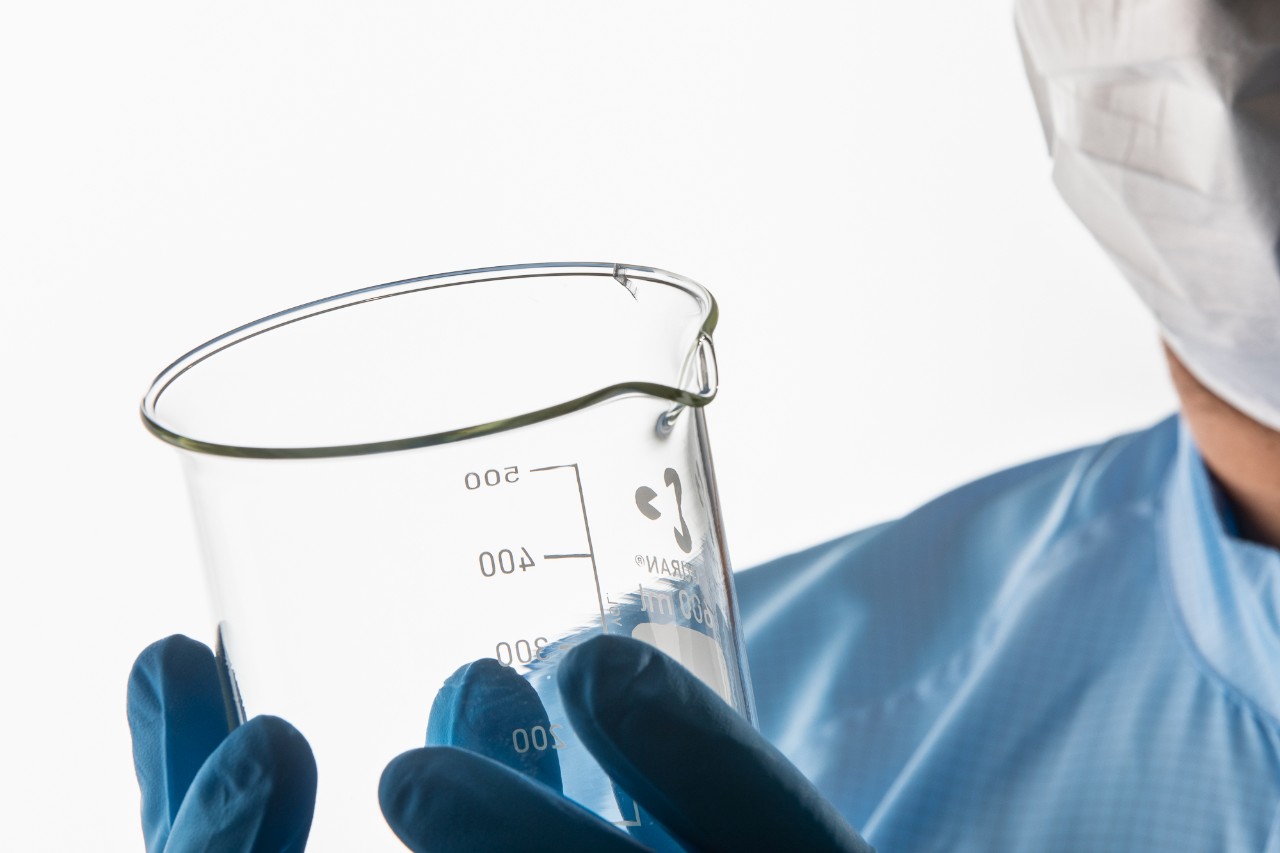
(491, 477)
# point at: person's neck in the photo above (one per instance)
(1243, 455)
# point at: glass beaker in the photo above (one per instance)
(391, 483)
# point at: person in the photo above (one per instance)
(1073, 654)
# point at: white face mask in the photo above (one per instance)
(1163, 119)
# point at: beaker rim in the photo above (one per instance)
(618, 271)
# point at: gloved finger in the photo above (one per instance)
(177, 719)
(255, 793)
(487, 708)
(688, 758)
(447, 800)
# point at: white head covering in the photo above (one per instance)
(1163, 119)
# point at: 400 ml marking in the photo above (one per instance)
(504, 562)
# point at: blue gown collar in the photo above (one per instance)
(1226, 589)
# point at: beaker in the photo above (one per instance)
(500, 463)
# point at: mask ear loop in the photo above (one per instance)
(700, 370)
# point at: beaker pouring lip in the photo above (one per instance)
(696, 386)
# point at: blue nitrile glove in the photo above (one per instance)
(664, 737)
(202, 788)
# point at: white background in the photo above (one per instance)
(906, 303)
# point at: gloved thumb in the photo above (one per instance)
(256, 793)
(689, 759)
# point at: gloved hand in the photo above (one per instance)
(202, 788)
(665, 738)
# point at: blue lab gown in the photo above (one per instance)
(1073, 654)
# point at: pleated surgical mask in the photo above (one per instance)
(1163, 119)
